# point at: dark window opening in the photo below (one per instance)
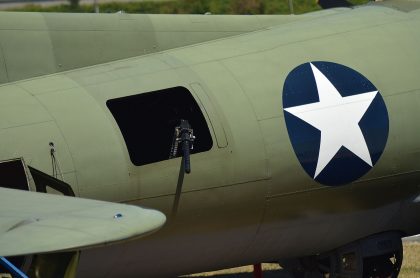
(147, 122)
(13, 175)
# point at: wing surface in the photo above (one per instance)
(37, 222)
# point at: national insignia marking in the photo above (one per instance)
(336, 119)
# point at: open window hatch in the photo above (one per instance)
(148, 120)
(15, 174)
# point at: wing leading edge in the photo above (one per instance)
(37, 222)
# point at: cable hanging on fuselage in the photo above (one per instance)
(55, 163)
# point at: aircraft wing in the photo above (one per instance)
(37, 222)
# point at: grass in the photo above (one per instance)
(411, 262)
(189, 7)
(410, 267)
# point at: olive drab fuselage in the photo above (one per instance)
(247, 198)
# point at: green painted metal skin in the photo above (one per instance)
(248, 199)
(34, 44)
(402, 5)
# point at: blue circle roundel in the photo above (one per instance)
(336, 119)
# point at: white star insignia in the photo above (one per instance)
(338, 120)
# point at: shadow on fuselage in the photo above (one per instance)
(266, 274)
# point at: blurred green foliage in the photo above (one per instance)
(191, 7)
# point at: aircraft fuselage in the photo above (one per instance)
(248, 199)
